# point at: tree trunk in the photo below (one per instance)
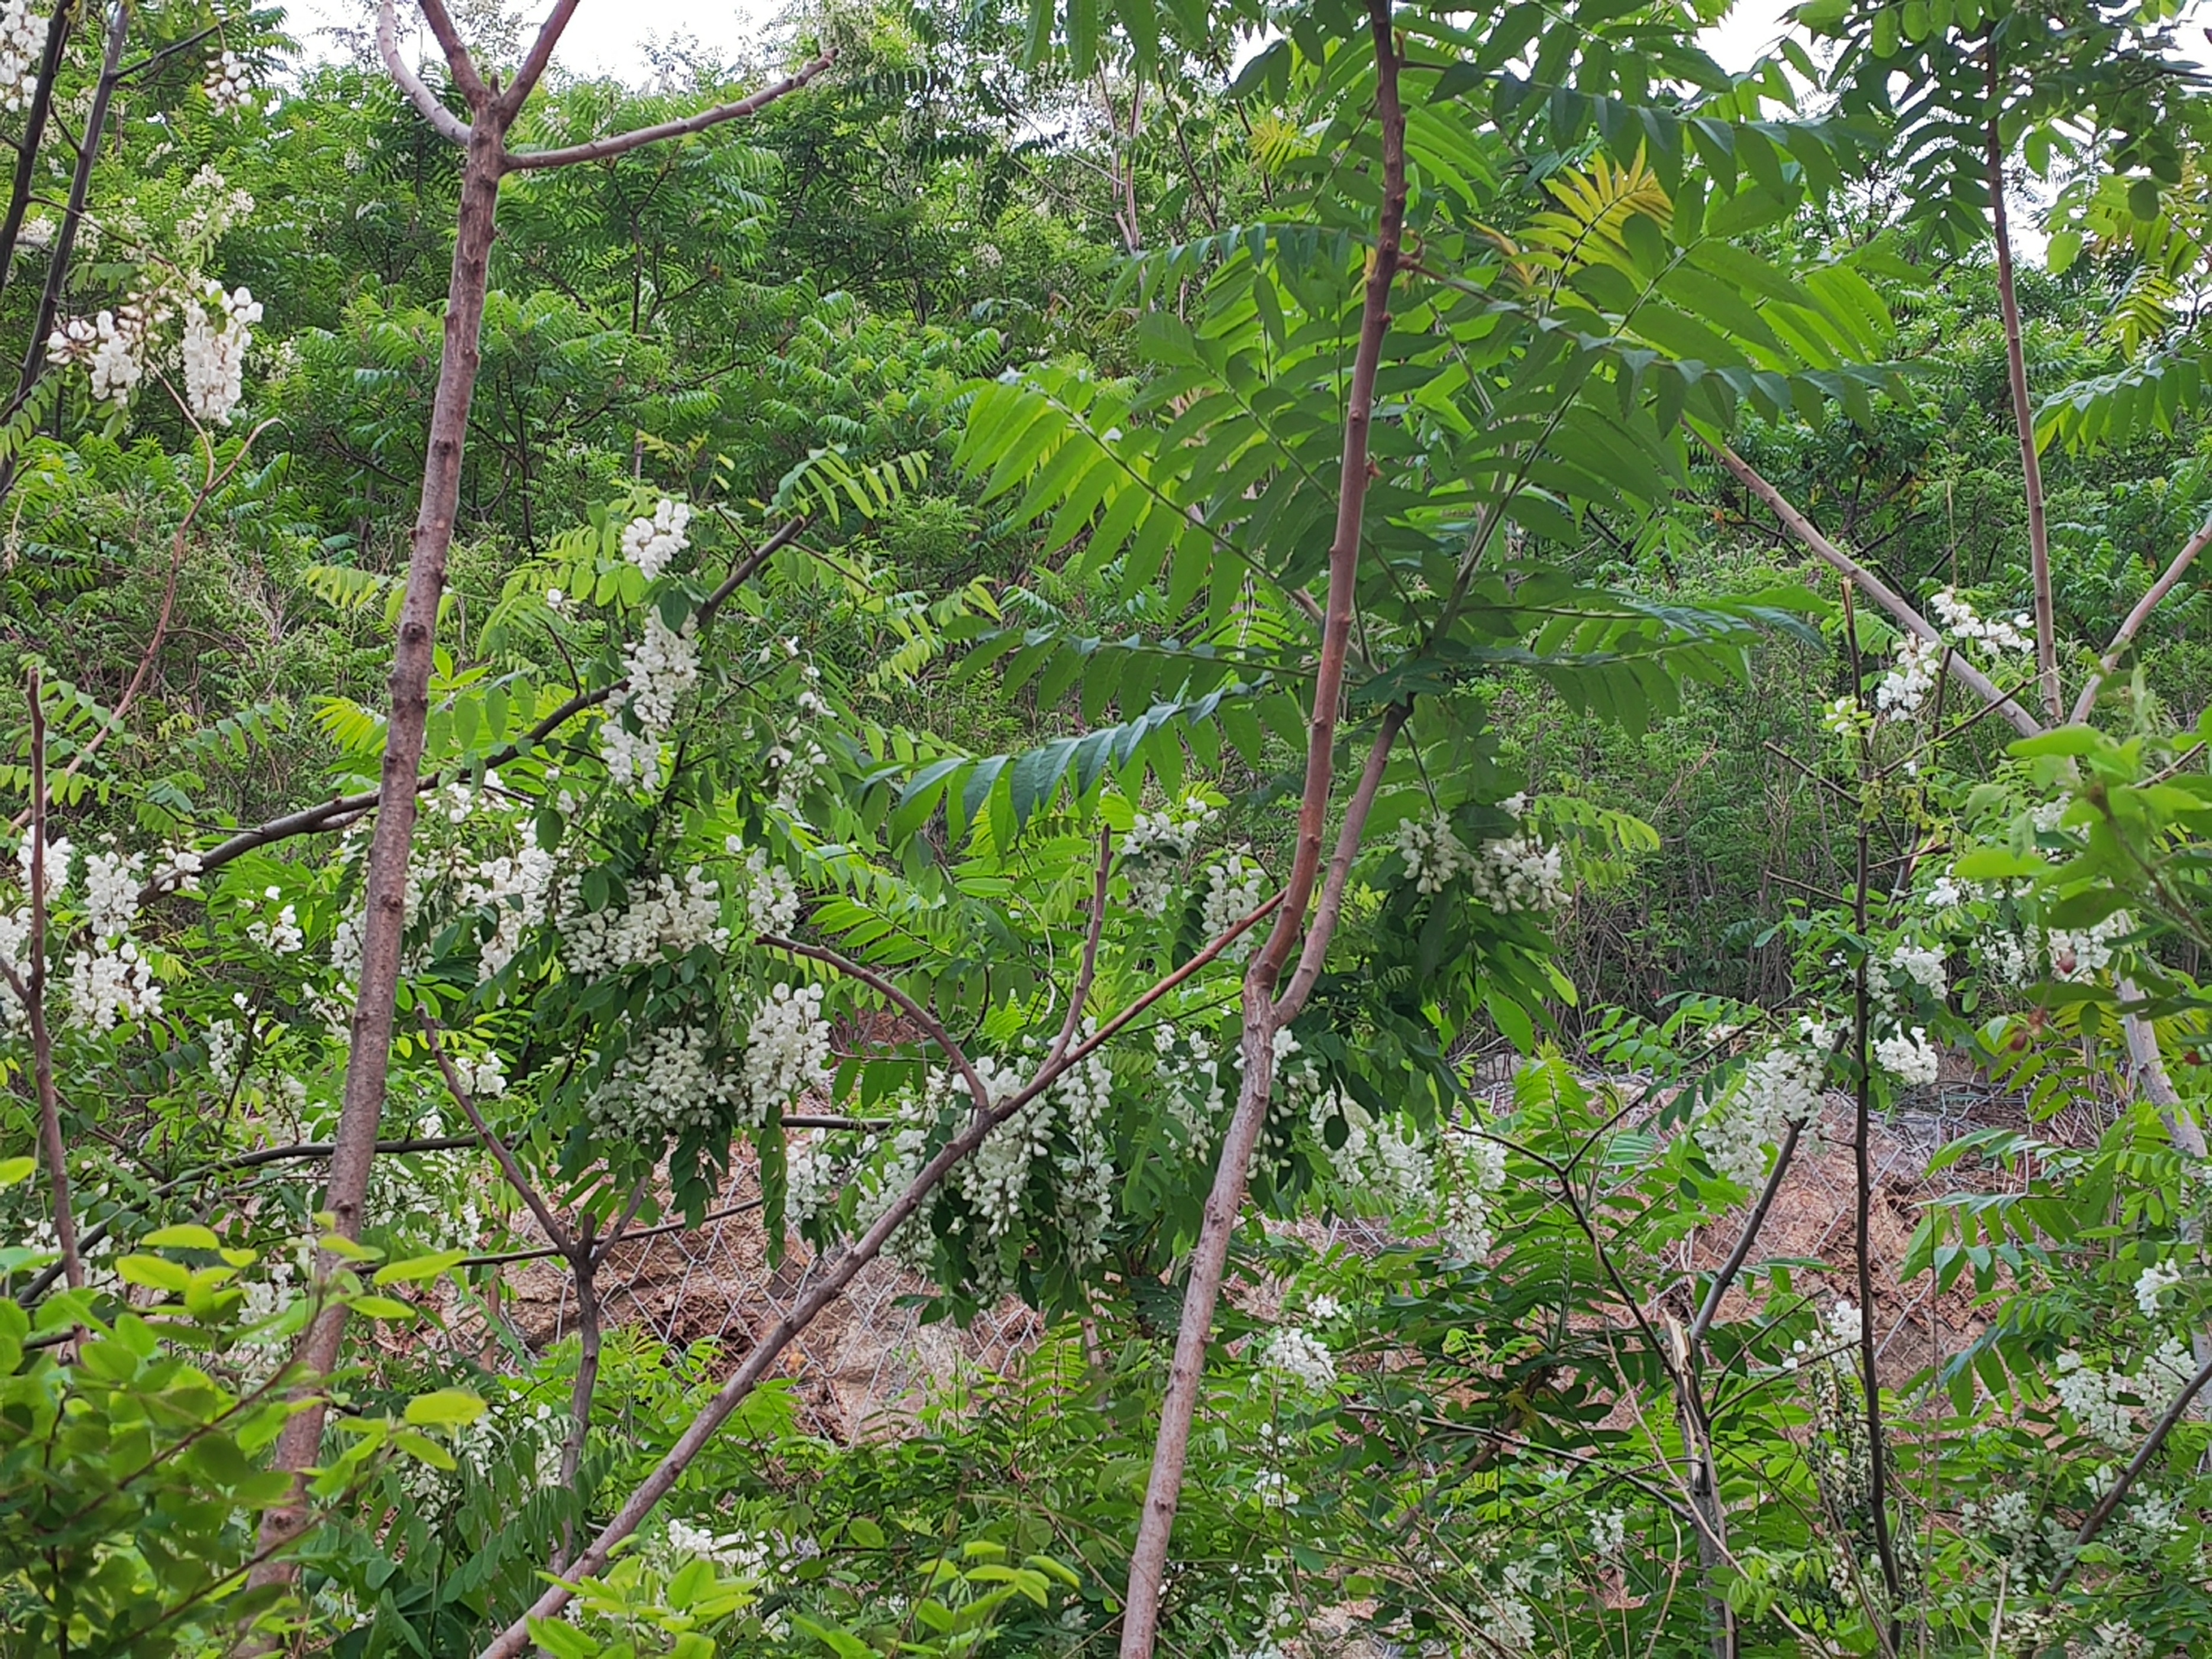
(369, 1060)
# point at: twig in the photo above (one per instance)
(601, 150)
(2136, 619)
(42, 1041)
(2093, 1523)
(1734, 1265)
(443, 121)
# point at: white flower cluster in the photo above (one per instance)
(1959, 620)
(1382, 1163)
(1475, 1171)
(514, 889)
(2152, 1285)
(1609, 1533)
(1908, 1056)
(1083, 1194)
(1154, 850)
(664, 918)
(661, 668)
(1301, 1358)
(227, 88)
(787, 1049)
(1434, 857)
(1196, 1092)
(1781, 1087)
(809, 1177)
(745, 1553)
(2078, 952)
(2095, 1398)
(22, 43)
(110, 980)
(770, 896)
(1520, 873)
(1901, 692)
(994, 1177)
(218, 329)
(110, 890)
(651, 543)
(279, 930)
(662, 1085)
(112, 348)
(1923, 966)
(1234, 888)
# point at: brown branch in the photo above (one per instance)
(501, 1258)
(1348, 833)
(600, 150)
(368, 1059)
(2031, 464)
(509, 1165)
(2136, 619)
(1148, 1560)
(59, 26)
(1726, 1277)
(533, 65)
(1089, 968)
(448, 36)
(442, 120)
(2021, 719)
(42, 1040)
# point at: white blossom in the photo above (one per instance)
(1434, 857)
(1234, 889)
(111, 891)
(786, 1048)
(1301, 1358)
(664, 918)
(1520, 873)
(1908, 1056)
(1779, 1088)
(1156, 847)
(661, 668)
(1923, 966)
(217, 331)
(1475, 1170)
(112, 983)
(770, 896)
(514, 889)
(2153, 1282)
(227, 88)
(651, 543)
(1901, 692)
(2078, 952)
(663, 1084)
(22, 44)
(1961, 621)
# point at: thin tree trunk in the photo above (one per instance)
(34, 136)
(88, 154)
(1262, 1016)
(2030, 465)
(368, 1063)
(42, 1041)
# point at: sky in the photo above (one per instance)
(609, 35)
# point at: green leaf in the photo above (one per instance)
(842, 1643)
(14, 1170)
(562, 1639)
(444, 1407)
(1997, 864)
(184, 1236)
(418, 1268)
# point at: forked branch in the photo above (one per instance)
(620, 144)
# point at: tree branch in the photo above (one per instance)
(442, 120)
(2021, 719)
(1348, 834)
(2094, 1522)
(2136, 619)
(541, 53)
(1089, 968)
(448, 36)
(601, 150)
(1734, 1265)
(42, 1040)
(509, 1165)
(2031, 464)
